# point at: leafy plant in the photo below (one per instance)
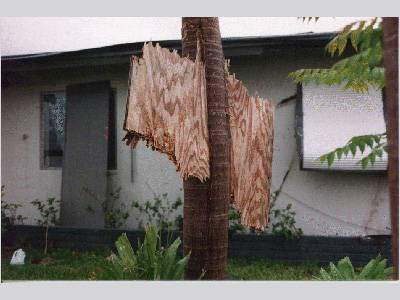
(375, 270)
(159, 212)
(358, 72)
(49, 215)
(115, 216)
(9, 214)
(377, 143)
(150, 261)
(282, 220)
(234, 221)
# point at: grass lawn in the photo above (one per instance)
(64, 264)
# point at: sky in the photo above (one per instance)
(37, 34)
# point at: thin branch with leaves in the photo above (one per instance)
(358, 72)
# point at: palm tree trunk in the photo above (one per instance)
(205, 222)
(390, 58)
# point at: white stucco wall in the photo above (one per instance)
(326, 203)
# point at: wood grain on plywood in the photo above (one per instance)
(167, 108)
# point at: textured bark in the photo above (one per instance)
(205, 223)
(391, 52)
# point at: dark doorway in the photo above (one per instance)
(85, 161)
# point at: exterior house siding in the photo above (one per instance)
(326, 203)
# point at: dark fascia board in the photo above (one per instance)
(120, 53)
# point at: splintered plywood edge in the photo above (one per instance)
(167, 108)
(252, 132)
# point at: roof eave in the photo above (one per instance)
(120, 53)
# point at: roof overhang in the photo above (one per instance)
(120, 53)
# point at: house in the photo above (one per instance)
(80, 97)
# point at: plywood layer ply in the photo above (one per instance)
(167, 108)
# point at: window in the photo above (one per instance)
(52, 130)
(328, 117)
(53, 121)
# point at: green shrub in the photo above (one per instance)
(115, 211)
(48, 211)
(159, 212)
(9, 216)
(281, 220)
(374, 270)
(150, 261)
(234, 221)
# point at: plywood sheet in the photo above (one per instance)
(251, 125)
(167, 107)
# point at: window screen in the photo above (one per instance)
(327, 117)
(53, 120)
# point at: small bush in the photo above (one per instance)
(344, 270)
(159, 212)
(9, 214)
(48, 215)
(150, 261)
(281, 221)
(116, 213)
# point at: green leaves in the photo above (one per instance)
(48, 211)
(159, 211)
(330, 158)
(359, 34)
(358, 72)
(9, 214)
(116, 213)
(150, 244)
(375, 142)
(234, 221)
(126, 259)
(283, 221)
(374, 270)
(151, 261)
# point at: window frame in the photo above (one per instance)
(43, 127)
(299, 135)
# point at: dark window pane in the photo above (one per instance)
(53, 117)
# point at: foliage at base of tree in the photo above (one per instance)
(281, 221)
(159, 212)
(150, 261)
